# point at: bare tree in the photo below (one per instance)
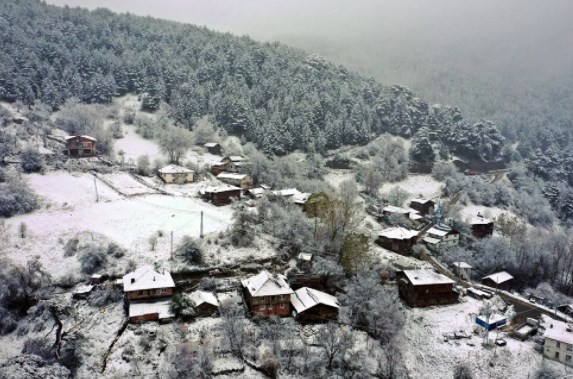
(233, 327)
(334, 341)
(174, 142)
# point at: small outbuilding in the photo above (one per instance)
(422, 288)
(80, 147)
(494, 321)
(424, 206)
(221, 195)
(204, 303)
(213, 148)
(398, 239)
(312, 305)
(176, 174)
(158, 310)
(463, 270)
(440, 236)
(500, 280)
(481, 227)
(244, 181)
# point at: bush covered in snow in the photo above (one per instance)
(16, 197)
(190, 250)
(31, 160)
(93, 259)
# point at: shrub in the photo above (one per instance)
(71, 247)
(16, 197)
(105, 295)
(190, 250)
(93, 259)
(38, 346)
(182, 306)
(115, 250)
(31, 160)
(7, 322)
(143, 165)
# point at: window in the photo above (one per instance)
(164, 290)
(140, 293)
(282, 305)
(556, 355)
(262, 307)
(558, 344)
(569, 347)
(568, 358)
(262, 299)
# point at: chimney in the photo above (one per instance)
(132, 280)
(153, 277)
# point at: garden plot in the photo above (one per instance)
(427, 354)
(423, 186)
(126, 184)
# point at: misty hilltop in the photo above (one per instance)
(280, 98)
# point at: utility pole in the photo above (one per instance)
(172, 245)
(315, 225)
(97, 194)
(201, 231)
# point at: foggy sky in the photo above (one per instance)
(391, 39)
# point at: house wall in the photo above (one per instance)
(269, 305)
(398, 246)
(425, 295)
(205, 310)
(224, 198)
(424, 209)
(216, 150)
(558, 351)
(482, 230)
(147, 317)
(318, 313)
(505, 286)
(149, 294)
(177, 178)
(80, 147)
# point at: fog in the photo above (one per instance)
(451, 51)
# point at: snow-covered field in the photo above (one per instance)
(423, 186)
(134, 145)
(127, 221)
(489, 212)
(126, 184)
(335, 177)
(427, 355)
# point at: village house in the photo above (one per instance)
(440, 236)
(158, 310)
(558, 342)
(304, 261)
(231, 163)
(80, 147)
(257, 193)
(146, 283)
(499, 280)
(397, 239)
(267, 294)
(422, 288)
(297, 197)
(221, 195)
(213, 148)
(463, 270)
(481, 227)
(204, 303)
(423, 206)
(243, 181)
(176, 174)
(312, 305)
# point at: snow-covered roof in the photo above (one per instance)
(287, 192)
(234, 159)
(301, 197)
(200, 297)
(96, 276)
(211, 144)
(266, 284)
(86, 137)
(415, 216)
(426, 277)
(256, 192)
(420, 201)
(84, 289)
(305, 257)
(479, 220)
(439, 231)
(499, 277)
(161, 307)
(231, 175)
(394, 209)
(557, 330)
(219, 189)
(431, 241)
(305, 298)
(398, 233)
(175, 169)
(146, 278)
(462, 265)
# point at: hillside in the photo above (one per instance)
(280, 98)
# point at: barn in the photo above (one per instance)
(424, 206)
(312, 305)
(222, 195)
(204, 303)
(397, 239)
(213, 148)
(500, 280)
(423, 288)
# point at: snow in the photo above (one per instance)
(395, 209)
(200, 297)
(396, 260)
(175, 169)
(462, 265)
(305, 298)
(427, 354)
(266, 284)
(398, 233)
(426, 277)
(421, 186)
(335, 177)
(86, 137)
(146, 278)
(230, 175)
(558, 331)
(499, 277)
(134, 146)
(471, 211)
(440, 232)
(126, 184)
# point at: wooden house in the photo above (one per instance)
(267, 294)
(231, 163)
(558, 342)
(80, 147)
(463, 270)
(204, 303)
(176, 174)
(424, 206)
(440, 236)
(146, 283)
(304, 261)
(312, 305)
(294, 195)
(244, 181)
(422, 288)
(213, 148)
(397, 239)
(481, 227)
(157, 310)
(222, 195)
(500, 280)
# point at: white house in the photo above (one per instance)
(176, 174)
(243, 181)
(440, 236)
(558, 344)
(463, 270)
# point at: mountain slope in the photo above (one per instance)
(273, 95)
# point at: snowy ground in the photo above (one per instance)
(488, 212)
(127, 221)
(419, 186)
(126, 184)
(135, 145)
(427, 355)
(396, 260)
(335, 177)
